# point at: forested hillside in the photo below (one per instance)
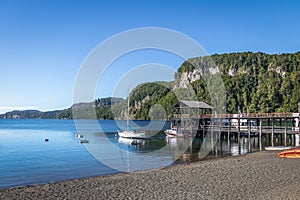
(258, 82)
(254, 82)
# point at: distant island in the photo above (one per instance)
(254, 82)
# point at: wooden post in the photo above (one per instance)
(228, 143)
(239, 129)
(212, 134)
(203, 132)
(285, 130)
(260, 133)
(272, 134)
(229, 125)
(190, 121)
(249, 128)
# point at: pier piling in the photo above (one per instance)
(260, 133)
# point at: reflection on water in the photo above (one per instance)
(224, 147)
(134, 142)
(188, 149)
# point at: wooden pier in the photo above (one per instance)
(194, 120)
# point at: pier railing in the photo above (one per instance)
(242, 115)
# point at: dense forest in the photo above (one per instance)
(258, 82)
(254, 82)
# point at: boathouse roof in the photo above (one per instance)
(194, 104)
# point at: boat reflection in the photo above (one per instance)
(178, 142)
(129, 141)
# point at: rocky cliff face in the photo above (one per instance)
(185, 78)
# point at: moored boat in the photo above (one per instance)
(174, 132)
(277, 148)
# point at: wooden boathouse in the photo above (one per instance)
(188, 116)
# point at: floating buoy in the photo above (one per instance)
(84, 141)
(79, 135)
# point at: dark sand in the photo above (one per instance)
(260, 175)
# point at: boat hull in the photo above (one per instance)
(277, 148)
(132, 134)
(173, 133)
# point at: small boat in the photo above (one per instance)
(277, 148)
(84, 141)
(291, 153)
(79, 135)
(174, 132)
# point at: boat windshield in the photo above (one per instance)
(132, 129)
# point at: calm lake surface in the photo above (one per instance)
(26, 157)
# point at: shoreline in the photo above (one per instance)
(259, 175)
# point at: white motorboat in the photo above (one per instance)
(174, 132)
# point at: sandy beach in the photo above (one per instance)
(260, 175)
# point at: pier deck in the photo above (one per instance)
(254, 124)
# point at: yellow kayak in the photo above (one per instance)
(291, 153)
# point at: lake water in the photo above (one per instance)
(26, 158)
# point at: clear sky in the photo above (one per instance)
(44, 42)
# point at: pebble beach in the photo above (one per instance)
(260, 175)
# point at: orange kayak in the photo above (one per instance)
(291, 153)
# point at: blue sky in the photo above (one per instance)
(44, 42)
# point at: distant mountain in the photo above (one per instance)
(102, 107)
(30, 114)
